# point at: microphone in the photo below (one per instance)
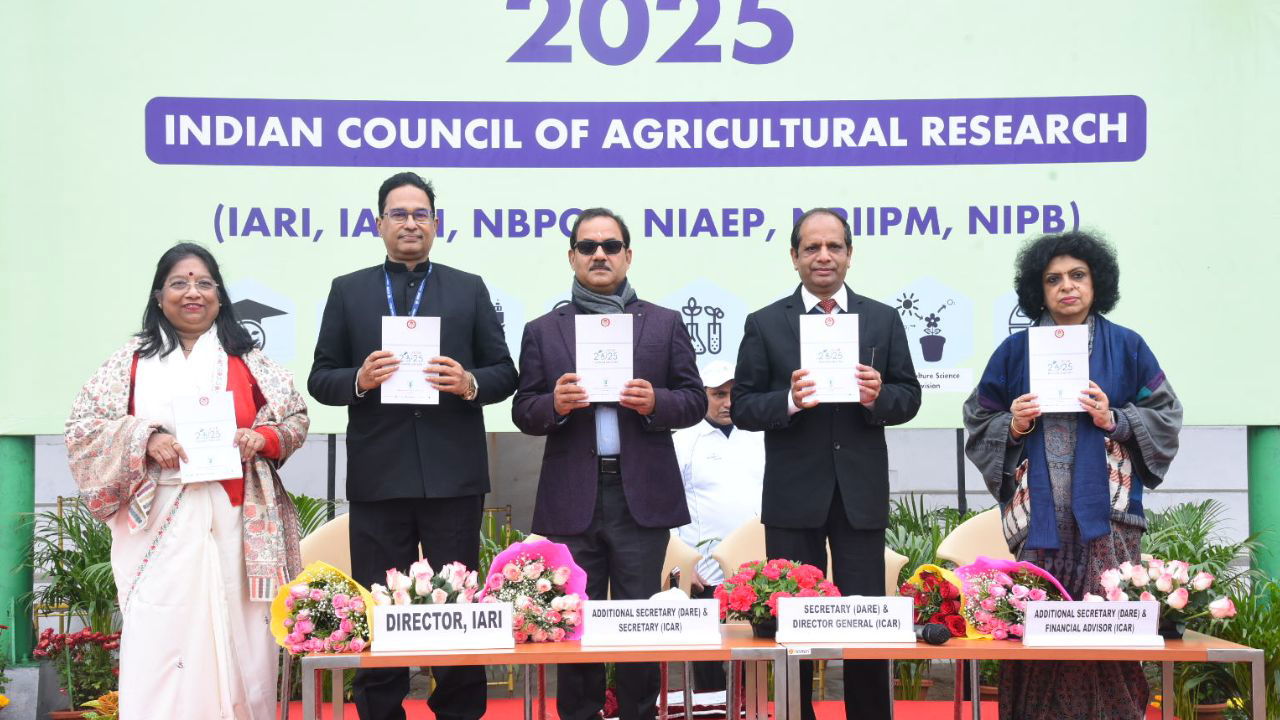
(933, 633)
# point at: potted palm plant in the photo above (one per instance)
(72, 549)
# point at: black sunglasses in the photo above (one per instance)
(589, 247)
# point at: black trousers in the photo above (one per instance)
(617, 554)
(857, 563)
(386, 534)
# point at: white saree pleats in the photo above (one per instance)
(193, 645)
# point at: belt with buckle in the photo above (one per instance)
(610, 465)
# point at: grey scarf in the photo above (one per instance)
(593, 303)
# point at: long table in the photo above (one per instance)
(736, 645)
(1194, 647)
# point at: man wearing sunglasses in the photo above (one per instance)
(610, 487)
(416, 474)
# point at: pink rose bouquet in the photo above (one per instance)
(1182, 596)
(321, 611)
(545, 588)
(423, 586)
(753, 592)
(996, 593)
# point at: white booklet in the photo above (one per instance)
(604, 355)
(1059, 366)
(414, 340)
(829, 351)
(206, 429)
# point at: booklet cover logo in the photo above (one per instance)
(411, 323)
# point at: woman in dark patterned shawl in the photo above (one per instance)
(1070, 483)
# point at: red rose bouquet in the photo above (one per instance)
(753, 592)
(936, 597)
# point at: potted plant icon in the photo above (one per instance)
(932, 341)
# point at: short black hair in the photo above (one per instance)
(1035, 256)
(795, 229)
(596, 212)
(400, 180)
(158, 335)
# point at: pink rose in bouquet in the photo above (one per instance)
(1181, 595)
(545, 588)
(321, 611)
(997, 592)
(454, 583)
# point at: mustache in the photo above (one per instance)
(602, 265)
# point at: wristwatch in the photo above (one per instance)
(472, 388)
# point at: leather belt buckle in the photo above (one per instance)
(610, 465)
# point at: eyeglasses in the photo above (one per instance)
(400, 216)
(181, 285)
(589, 247)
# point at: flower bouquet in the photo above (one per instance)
(936, 597)
(1181, 596)
(753, 592)
(321, 611)
(996, 593)
(545, 588)
(423, 586)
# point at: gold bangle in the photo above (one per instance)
(1017, 434)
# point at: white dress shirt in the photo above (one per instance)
(723, 483)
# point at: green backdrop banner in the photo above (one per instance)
(948, 132)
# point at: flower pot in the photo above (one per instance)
(931, 347)
(767, 629)
(1172, 629)
(1212, 711)
(988, 692)
(898, 691)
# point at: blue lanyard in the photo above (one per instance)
(391, 301)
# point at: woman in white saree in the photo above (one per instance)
(196, 564)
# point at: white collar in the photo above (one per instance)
(706, 428)
(810, 300)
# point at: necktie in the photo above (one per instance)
(827, 305)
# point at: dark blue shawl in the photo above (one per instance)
(1125, 368)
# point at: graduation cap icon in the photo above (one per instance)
(251, 313)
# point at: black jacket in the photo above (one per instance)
(412, 451)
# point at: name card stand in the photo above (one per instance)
(853, 619)
(650, 622)
(429, 628)
(1092, 624)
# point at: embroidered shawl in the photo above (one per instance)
(107, 449)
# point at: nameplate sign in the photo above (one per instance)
(458, 626)
(1092, 624)
(648, 622)
(853, 619)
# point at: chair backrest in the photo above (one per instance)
(744, 544)
(329, 543)
(979, 535)
(681, 555)
(893, 564)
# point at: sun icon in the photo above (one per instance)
(907, 304)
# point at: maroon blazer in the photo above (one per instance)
(570, 471)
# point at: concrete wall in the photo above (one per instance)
(1212, 463)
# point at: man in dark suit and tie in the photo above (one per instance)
(610, 487)
(826, 476)
(416, 474)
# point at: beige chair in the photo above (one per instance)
(680, 555)
(743, 544)
(329, 543)
(979, 535)
(893, 564)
